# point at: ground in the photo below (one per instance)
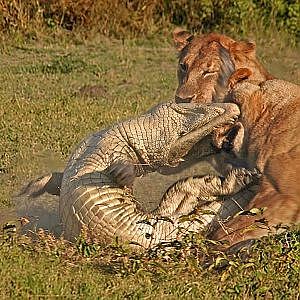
(54, 93)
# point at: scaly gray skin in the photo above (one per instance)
(95, 189)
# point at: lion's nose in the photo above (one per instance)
(180, 99)
(182, 94)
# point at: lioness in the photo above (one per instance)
(199, 63)
(270, 116)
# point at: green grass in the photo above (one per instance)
(41, 109)
(43, 116)
(53, 269)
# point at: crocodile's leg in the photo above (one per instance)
(203, 188)
(50, 183)
(211, 196)
(204, 193)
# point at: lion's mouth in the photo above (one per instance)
(229, 138)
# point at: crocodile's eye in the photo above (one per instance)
(183, 133)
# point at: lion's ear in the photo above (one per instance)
(238, 76)
(225, 41)
(181, 38)
(245, 47)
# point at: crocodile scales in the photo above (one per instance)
(96, 185)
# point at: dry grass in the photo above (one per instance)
(48, 268)
(121, 18)
(114, 17)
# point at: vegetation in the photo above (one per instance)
(52, 268)
(54, 91)
(121, 18)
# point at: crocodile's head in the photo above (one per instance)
(180, 126)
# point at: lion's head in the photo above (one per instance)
(201, 60)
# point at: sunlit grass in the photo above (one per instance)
(42, 108)
(46, 108)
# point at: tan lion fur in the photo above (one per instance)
(271, 118)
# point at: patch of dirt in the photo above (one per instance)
(92, 91)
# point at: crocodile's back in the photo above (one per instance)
(82, 181)
(90, 196)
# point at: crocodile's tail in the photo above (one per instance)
(50, 183)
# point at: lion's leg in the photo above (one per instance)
(280, 208)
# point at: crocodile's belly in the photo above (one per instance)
(78, 199)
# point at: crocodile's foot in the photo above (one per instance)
(239, 178)
(236, 180)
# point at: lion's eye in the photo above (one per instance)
(183, 67)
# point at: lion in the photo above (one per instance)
(270, 117)
(199, 63)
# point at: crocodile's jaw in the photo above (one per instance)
(227, 114)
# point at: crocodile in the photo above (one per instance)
(96, 186)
